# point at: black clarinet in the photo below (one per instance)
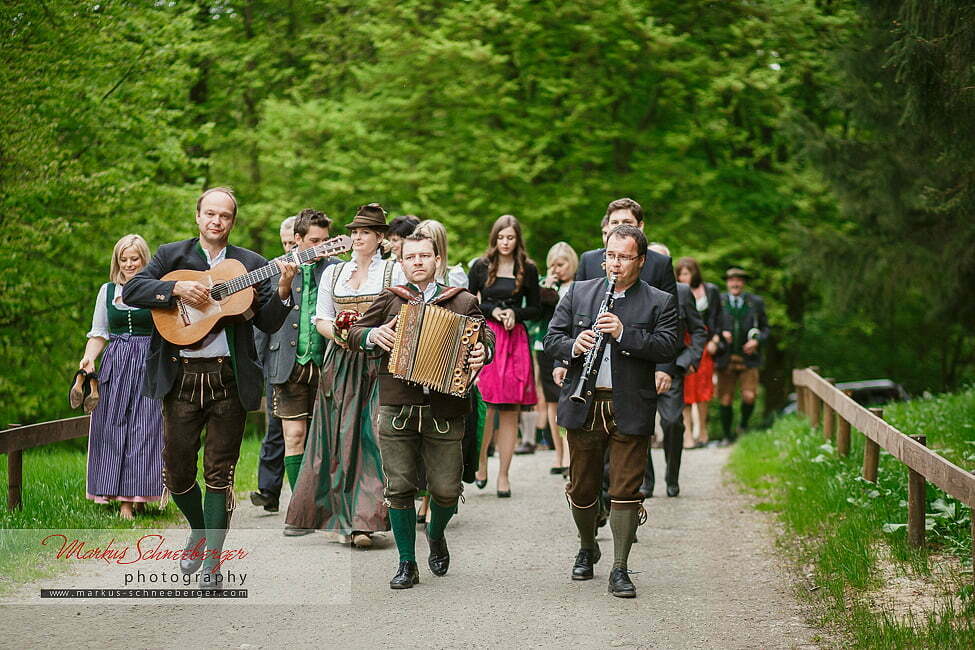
(590, 369)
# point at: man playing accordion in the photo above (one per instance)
(415, 422)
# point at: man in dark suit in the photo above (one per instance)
(211, 384)
(616, 420)
(746, 330)
(296, 351)
(270, 464)
(658, 271)
(670, 403)
(417, 424)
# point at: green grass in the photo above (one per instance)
(838, 524)
(54, 499)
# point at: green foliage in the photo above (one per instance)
(841, 524)
(901, 165)
(113, 116)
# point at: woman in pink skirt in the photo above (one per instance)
(506, 282)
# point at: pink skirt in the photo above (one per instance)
(510, 377)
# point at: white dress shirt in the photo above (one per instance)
(604, 378)
(213, 344)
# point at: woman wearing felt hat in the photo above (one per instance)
(340, 486)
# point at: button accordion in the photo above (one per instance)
(432, 346)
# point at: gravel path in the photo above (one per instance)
(707, 578)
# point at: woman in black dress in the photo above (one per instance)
(506, 282)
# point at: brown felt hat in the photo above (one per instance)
(735, 272)
(371, 215)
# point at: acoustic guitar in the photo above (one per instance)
(231, 293)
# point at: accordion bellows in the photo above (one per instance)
(432, 346)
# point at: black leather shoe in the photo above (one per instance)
(620, 585)
(406, 576)
(504, 494)
(192, 565)
(481, 484)
(294, 531)
(439, 559)
(585, 559)
(673, 490)
(265, 499)
(525, 448)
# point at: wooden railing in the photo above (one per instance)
(15, 440)
(830, 408)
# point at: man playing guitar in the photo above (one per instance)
(211, 384)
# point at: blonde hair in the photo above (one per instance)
(436, 231)
(562, 250)
(129, 241)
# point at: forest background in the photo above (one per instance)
(826, 146)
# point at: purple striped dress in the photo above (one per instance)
(125, 440)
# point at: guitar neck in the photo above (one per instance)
(241, 282)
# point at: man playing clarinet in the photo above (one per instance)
(416, 423)
(613, 413)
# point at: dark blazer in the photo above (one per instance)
(162, 365)
(396, 392)
(754, 318)
(713, 315)
(690, 320)
(649, 318)
(278, 350)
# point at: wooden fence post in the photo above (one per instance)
(915, 502)
(801, 400)
(843, 436)
(815, 408)
(871, 453)
(15, 476)
(829, 419)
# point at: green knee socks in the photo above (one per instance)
(403, 522)
(292, 465)
(439, 516)
(727, 415)
(623, 523)
(585, 519)
(217, 520)
(191, 505)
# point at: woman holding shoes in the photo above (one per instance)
(125, 440)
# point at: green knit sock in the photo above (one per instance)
(439, 516)
(217, 520)
(727, 415)
(191, 505)
(292, 465)
(403, 522)
(585, 519)
(746, 413)
(623, 523)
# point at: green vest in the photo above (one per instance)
(311, 344)
(127, 321)
(738, 330)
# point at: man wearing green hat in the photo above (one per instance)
(746, 331)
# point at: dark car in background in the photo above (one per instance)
(868, 392)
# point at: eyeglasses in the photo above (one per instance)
(613, 257)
